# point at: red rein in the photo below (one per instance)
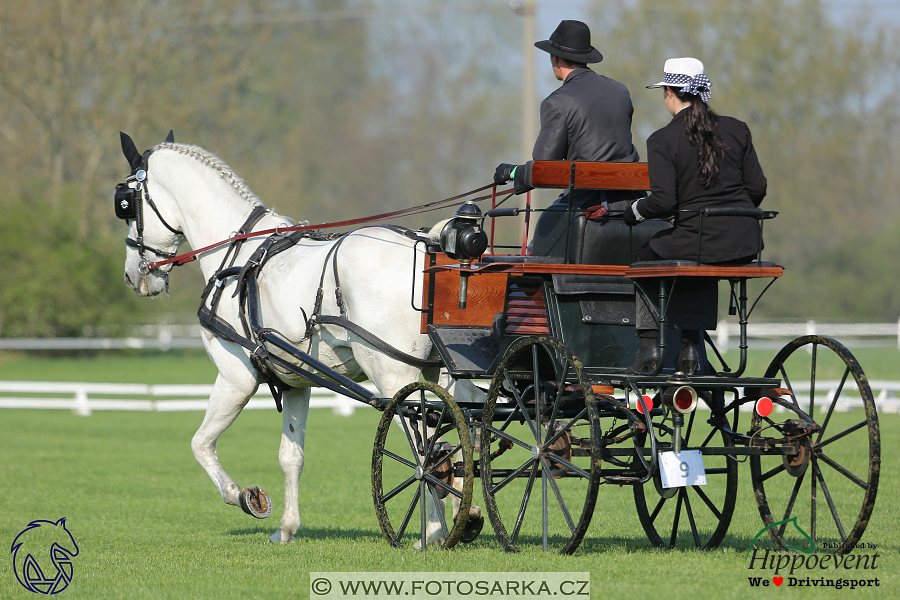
(182, 259)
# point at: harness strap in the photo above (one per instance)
(255, 336)
(377, 342)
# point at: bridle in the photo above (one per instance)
(129, 204)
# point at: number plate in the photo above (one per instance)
(680, 470)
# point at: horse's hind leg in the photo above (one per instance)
(225, 404)
(290, 456)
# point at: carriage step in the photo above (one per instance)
(622, 480)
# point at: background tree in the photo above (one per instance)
(325, 107)
(819, 98)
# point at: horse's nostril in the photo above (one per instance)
(128, 281)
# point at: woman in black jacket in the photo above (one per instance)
(699, 160)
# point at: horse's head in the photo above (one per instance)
(151, 236)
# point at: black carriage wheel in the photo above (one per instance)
(540, 454)
(411, 464)
(694, 516)
(827, 490)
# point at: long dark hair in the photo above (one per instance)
(702, 124)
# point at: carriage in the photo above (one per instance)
(536, 400)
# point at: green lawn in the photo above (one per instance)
(193, 366)
(150, 524)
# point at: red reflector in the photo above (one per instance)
(764, 407)
(648, 401)
(684, 399)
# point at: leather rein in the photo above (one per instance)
(187, 257)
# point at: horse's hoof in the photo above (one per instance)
(278, 538)
(473, 525)
(256, 502)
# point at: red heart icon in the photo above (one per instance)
(778, 580)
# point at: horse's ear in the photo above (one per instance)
(171, 137)
(130, 151)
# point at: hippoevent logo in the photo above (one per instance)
(805, 568)
(42, 556)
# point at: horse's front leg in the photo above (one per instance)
(225, 404)
(290, 456)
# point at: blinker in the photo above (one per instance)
(125, 202)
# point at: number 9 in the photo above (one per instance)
(685, 469)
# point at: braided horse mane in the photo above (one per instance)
(216, 163)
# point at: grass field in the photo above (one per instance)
(193, 366)
(150, 524)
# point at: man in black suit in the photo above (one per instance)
(588, 118)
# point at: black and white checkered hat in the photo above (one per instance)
(686, 73)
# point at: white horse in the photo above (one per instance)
(197, 198)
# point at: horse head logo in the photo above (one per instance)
(40, 545)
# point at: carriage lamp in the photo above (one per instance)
(682, 399)
(463, 239)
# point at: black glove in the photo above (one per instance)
(503, 174)
(629, 215)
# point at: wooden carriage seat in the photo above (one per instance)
(693, 305)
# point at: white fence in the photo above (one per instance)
(84, 398)
(889, 332)
(165, 337)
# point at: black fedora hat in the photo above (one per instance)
(571, 41)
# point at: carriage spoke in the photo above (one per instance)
(513, 475)
(423, 512)
(508, 437)
(443, 485)
(790, 505)
(842, 470)
(520, 518)
(812, 505)
(409, 438)
(835, 438)
(687, 434)
(674, 535)
(707, 501)
(772, 473)
(409, 514)
(396, 457)
(549, 441)
(562, 503)
(690, 514)
(560, 390)
(571, 467)
(709, 438)
(440, 511)
(398, 489)
(658, 508)
(434, 437)
(837, 394)
(521, 404)
(831, 506)
(450, 453)
(812, 379)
